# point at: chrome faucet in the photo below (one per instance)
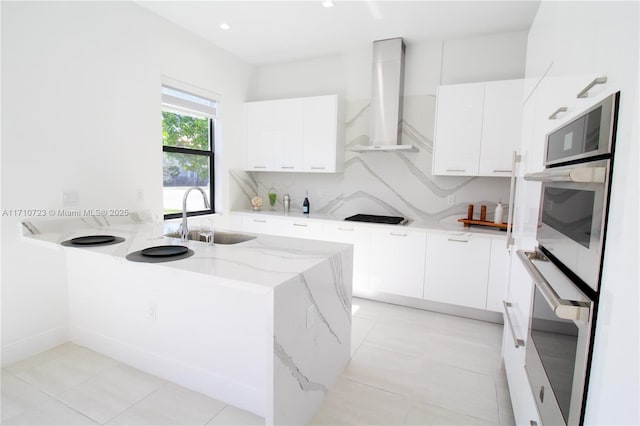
(184, 229)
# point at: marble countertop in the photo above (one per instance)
(417, 225)
(264, 262)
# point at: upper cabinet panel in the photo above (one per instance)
(458, 129)
(295, 135)
(478, 126)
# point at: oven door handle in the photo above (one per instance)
(576, 174)
(562, 308)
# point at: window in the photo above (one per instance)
(188, 122)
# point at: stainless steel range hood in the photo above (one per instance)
(387, 88)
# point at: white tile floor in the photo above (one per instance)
(409, 367)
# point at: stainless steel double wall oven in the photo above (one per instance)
(567, 264)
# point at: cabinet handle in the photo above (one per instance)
(458, 241)
(287, 167)
(456, 170)
(502, 171)
(397, 235)
(317, 167)
(519, 342)
(345, 229)
(512, 195)
(554, 114)
(259, 167)
(260, 220)
(300, 224)
(585, 92)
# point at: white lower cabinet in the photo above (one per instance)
(498, 275)
(264, 225)
(301, 228)
(360, 237)
(457, 268)
(516, 322)
(522, 399)
(397, 261)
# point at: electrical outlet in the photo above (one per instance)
(152, 311)
(311, 316)
(451, 200)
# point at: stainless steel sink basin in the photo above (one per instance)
(218, 237)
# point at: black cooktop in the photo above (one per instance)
(391, 220)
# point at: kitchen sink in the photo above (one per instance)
(218, 237)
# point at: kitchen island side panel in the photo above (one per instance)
(312, 337)
(199, 331)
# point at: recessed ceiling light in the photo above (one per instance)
(225, 26)
(327, 3)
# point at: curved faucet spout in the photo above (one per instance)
(184, 229)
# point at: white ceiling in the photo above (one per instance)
(280, 31)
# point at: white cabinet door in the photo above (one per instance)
(259, 224)
(457, 268)
(397, 261)
(458, 129)
(360, 237)
(261, 129)
(301, 228)
(288, 135)
(522, 399)
(320, 133)
(498, 275)
(501, 126)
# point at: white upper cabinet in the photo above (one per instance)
(321, 149)
(289, 133)
(294, 135)
(458, 129)
(457, 268)
(478, 126)
(501, 127)
(261, 136)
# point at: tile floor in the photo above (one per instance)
(409, 367)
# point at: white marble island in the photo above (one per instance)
(263, 325)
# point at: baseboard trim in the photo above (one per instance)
(33, 345)
(428, 305)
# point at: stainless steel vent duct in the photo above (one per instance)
(387, 88)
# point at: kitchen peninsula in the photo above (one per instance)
(264, 325)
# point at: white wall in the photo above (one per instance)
(388, 183)
(81, 112)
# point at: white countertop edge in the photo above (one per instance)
(413, 226)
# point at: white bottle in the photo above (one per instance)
(497, 217)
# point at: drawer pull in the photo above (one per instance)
(455, 240)
(554, 114)
(585, 92)
(317, 167)
(260, 220)
(502, 171)
(300, 224)
(518, 342)
(259, 167)
(345, 229)
(456, 170)
(395, 234)
(287, 167)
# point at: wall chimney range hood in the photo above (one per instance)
(387, 88)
